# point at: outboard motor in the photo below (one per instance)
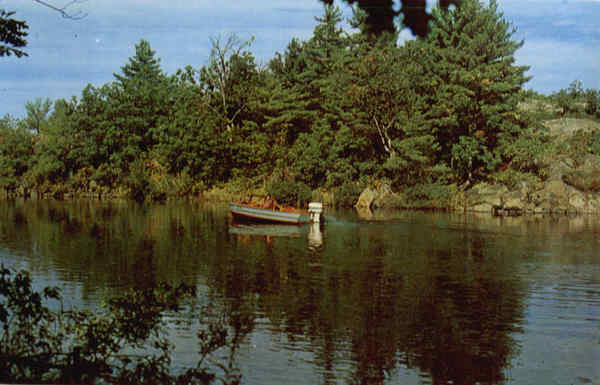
(315, 210)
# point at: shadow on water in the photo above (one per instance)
(436, 297)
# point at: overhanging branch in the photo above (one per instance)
(64, 11)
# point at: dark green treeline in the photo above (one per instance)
(340, 109)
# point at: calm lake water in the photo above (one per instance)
(394, 298)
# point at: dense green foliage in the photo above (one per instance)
(347, 194)
(337, 109)
(571, 102)
(124, 343)
(290, 193)
(575, 101)
(16, 150)
(477, 85)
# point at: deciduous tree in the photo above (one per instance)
(37, 114)
(16, 151)
(229, 81)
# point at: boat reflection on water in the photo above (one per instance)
(265, 230)
(269, 231)
(315, 237)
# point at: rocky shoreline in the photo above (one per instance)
(560, 193)
(570, 186)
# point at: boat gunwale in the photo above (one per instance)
(267, 215)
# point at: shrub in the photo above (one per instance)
(528, 151)
(430, 195)
(147, 181)
(138, 181)
(347, 194)
(581, 143)
(182, 184)
(512, 178)
(594, 144)
(587, 181)
(125, 343)
(290, 192)
(592, 100)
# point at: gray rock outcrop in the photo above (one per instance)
(553, 196)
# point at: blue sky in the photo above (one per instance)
(562, 40)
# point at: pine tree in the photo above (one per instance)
(385, 88)
(474, 83)
(317, 116)
(142, 67)
(137, 105)
(12, 35)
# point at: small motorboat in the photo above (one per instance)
(254, 214)
(247, 213)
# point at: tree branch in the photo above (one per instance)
(64, 11)
(385, 138)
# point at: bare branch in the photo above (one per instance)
(383, 129)
(220, 59)
(64, 11)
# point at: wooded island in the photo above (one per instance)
(343, 111)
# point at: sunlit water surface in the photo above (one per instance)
(394, 297)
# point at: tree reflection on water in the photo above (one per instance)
(445, 306)
(371, 299)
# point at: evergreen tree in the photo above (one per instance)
(318, 118)
(592, 101)
(474, 83)
(12, 35)
(142, 67)
(386, 88)
(191, 141)
(137, 105)
(290, 108)
(90, 119)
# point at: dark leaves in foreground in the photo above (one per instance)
(126, 342)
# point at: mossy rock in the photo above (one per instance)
(583, 180)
